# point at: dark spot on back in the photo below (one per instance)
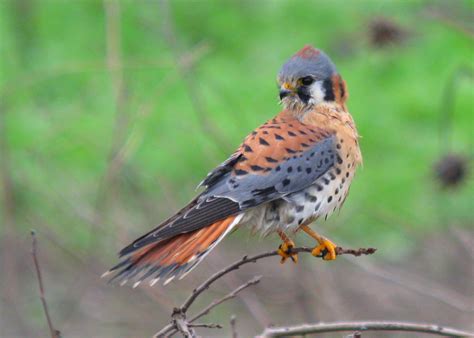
(271, 159)
(263, 142)
(285, 182)
(241, 172)
(278, 137)
(291, 133)
(256, 168)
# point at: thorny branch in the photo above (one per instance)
(54, 333)
(182, 310)
(363, 326)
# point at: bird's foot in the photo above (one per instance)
(326, 249)
(284, 250)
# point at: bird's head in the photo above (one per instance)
(309, 78)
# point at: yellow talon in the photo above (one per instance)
(284, 250)
(326, 249)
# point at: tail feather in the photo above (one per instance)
(173, 257)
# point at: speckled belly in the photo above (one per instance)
(321, 199)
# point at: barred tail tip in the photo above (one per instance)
(172, 257)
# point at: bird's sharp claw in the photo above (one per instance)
(284, 250)
(326, 250)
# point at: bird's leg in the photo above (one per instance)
(326, 248)
(284, 250)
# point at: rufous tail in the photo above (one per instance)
(173, 257)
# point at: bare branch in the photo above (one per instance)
(209, 326)
(186, 72)
(364, 326)
(253, 259)
(233, 326)
(54, 333)
(181, 311)
(231, 295)
(179, 321)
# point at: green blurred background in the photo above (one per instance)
(112, 112)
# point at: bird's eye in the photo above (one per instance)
(307, 80)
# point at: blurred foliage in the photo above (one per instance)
(59, 109)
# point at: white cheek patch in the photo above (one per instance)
(317, 92)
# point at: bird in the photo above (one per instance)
(295, 168)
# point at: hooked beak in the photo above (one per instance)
(285, 90)
(284, 93)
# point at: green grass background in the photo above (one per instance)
(59, 111)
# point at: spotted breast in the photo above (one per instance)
(330, 169)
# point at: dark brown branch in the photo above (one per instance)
(181, 311)
(54, 333)
(364, 326)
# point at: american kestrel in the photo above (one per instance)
(290, 171)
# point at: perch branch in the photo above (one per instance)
(181, 311)
(363, 326)
(231, 295)
(253, 259)
(54, 333)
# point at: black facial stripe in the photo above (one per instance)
(341, 88)
(303, 94)
(328, 92)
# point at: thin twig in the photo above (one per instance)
(54, 333)
(234, 266)
(233, 326)
(217, 302)
(114, 62)
(363, 326)
(253, 259)
(231, 295)
(186, 72)
(208, 326)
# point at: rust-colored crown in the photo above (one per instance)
(308, 52)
